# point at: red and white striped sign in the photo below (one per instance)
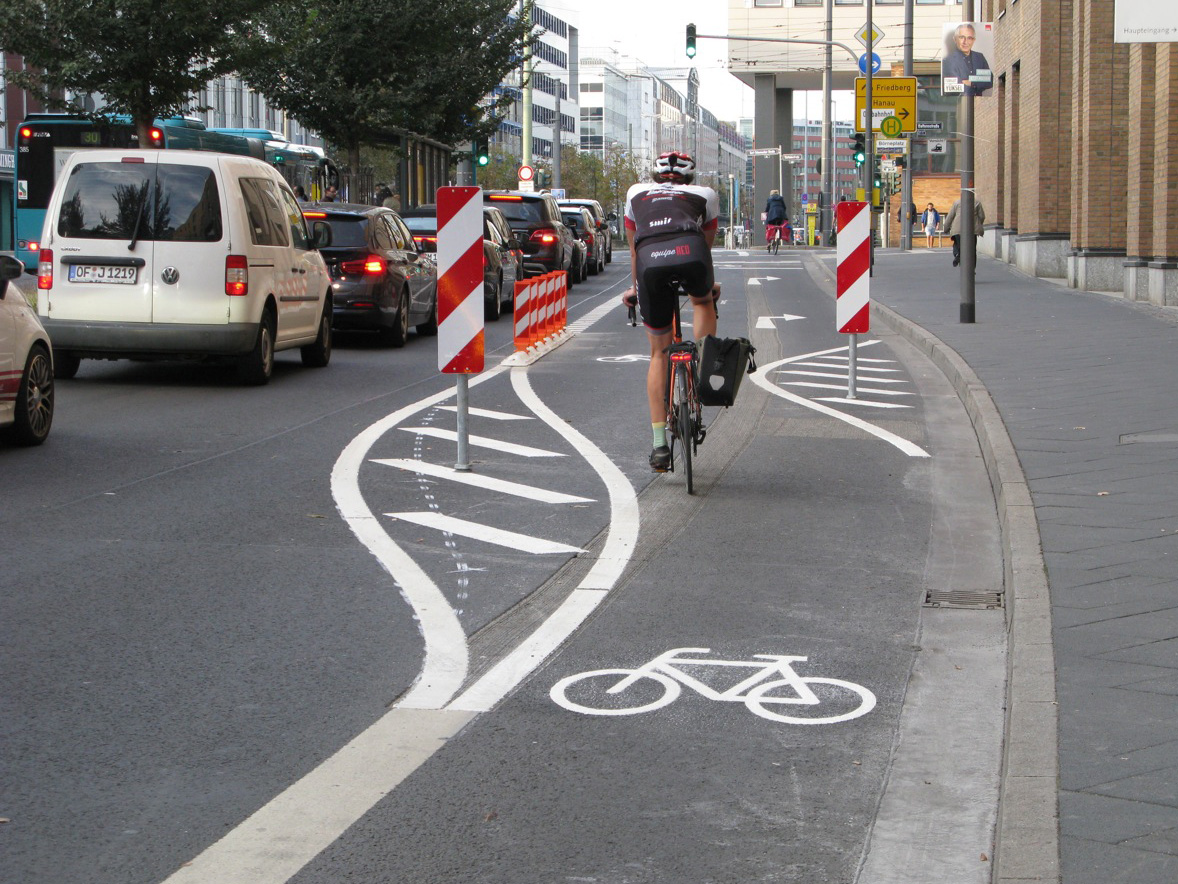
(460, 280)
(853, 309)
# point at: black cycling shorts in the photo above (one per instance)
(685, 258)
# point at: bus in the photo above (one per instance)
(301, 165)
(45, 140)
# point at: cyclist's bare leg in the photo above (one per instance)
(656, 375)
(703, 320)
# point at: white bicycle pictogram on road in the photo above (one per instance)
(658, 683)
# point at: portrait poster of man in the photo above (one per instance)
(965, 65)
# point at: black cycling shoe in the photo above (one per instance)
(660, 459)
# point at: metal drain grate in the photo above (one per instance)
(962, 598)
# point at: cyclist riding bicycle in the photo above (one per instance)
(672, 225)
(776, 216)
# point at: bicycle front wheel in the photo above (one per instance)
(685, 431)
(615, 692)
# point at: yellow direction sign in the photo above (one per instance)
(890, 97)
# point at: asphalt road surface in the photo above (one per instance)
(269, 634)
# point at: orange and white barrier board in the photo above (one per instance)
(541, 308)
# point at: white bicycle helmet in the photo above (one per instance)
(674, 164)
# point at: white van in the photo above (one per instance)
(167, 254)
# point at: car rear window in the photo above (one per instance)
(348, 233)
(142, 201)
(421, 225)
(577, 222)
(521, 211)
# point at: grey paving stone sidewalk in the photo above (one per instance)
(1087, 386)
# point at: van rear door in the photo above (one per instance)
(101, 242)
(188, 227)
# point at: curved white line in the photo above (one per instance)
(446, 657)
(591, 592)
(761, 379)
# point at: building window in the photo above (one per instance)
(769, 3)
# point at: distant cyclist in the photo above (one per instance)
(672, 225)
(776, 215)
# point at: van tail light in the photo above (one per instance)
(545, 236)
(45, 269)
(237, 275)
(373, 265)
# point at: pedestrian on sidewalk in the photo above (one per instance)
(930, 218)
(953, 227)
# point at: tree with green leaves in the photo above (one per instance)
(146, 58)
(365, 72)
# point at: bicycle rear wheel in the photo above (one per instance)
(684, 428)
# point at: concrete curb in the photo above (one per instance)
(1027, 840)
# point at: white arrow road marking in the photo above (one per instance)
(493, 415)
(487, 534)
(483, 442)
(767, 321)
(528, 492)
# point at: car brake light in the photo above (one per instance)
(157, 138)
(314, 214)
(423, 240)
(588, 239)
(508, 197)
(545, 235)
(373, 265)
(237, 275)
(45, 269)
(34, 245)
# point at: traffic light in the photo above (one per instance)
(543, 178)
(691, 41)
(876, 177)
(480, 151)
(860, 148)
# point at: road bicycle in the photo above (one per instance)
(685, 412)
(773, 691)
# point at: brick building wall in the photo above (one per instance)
(1076, 157)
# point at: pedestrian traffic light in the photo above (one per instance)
(691, 41)
(860, 148)
(480, 151)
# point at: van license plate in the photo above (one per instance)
(103, 273)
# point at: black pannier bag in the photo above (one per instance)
(723, 363)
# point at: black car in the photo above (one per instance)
(380, 280)
(600, 219)
(535, 217)
(500, 238)
(498, 281)
(581, 222)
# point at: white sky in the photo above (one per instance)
(654, 32)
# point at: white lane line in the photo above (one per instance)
(816, 385)
(485, 533)
(761, 379)
(831, 354)
(529, 492)
(487, 413)
(860, 368)
(483, 442)
(866, 403)
(283, 836)
(843, 375)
